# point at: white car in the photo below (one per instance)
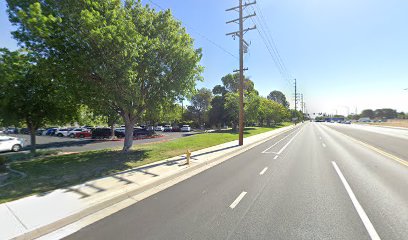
(185, 128)
(159, 128)
(11, 144)
(167, 128)
(62, 132)
(74, 131)
(121, 129)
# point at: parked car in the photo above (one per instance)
(102, 133)
(74, 131)
(121, 129)
(24, 131)
(83, 134)
(167, 128)
(141, 132)
(185, 128)
(175, 128)
(63, 132)
(50, 132)
(11, 144)
(11, 131)
(40, 131)
(159, 128)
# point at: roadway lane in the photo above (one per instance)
(286, 188)
(394, 141)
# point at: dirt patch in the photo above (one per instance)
(394, 123)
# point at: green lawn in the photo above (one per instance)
(46, 173)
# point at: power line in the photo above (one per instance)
(270, 44)
(268, 31)
(200, 34)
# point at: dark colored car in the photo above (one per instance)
(142, 132)
(51, 131)
(102, 133)
(175, 129)
(24, 131)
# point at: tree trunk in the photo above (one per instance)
(112, 126)
(33, 146)
(129, 125)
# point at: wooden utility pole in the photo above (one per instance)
(296, 98)
(243, 46)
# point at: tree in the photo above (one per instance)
(219, 90)
(231, 107)
(252, 103)
(200, 103)
(367, 113)
(134, 57)
(28, 94)
(387, 113)
(217, 111)
(278, 97)
(231, 83)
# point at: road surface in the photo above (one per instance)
(313, 182)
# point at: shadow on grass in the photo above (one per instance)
(47, 174)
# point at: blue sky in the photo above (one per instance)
(345, 54)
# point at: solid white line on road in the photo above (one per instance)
(276, 157)
(287, 144)
(324, 145)
(366, 221)
(239, 198)
(263, 171)
(266, 150)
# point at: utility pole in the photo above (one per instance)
(243, 46)
(296, 94)
(303, 110)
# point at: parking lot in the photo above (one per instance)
(67, 144)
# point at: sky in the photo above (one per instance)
(345, 54)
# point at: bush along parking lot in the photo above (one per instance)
(46, 173)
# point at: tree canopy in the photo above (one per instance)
(30, 95)
(278, 97)
(132, 56)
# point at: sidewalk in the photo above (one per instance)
(36, 215)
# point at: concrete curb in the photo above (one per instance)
(41, 231)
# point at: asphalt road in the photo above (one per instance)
(310, 183)
(67, 144)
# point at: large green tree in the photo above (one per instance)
(200, 103)
(231, 107)
(278, 97)
(367, 113)
(252, 104)
(29, 94)
(133, 56)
